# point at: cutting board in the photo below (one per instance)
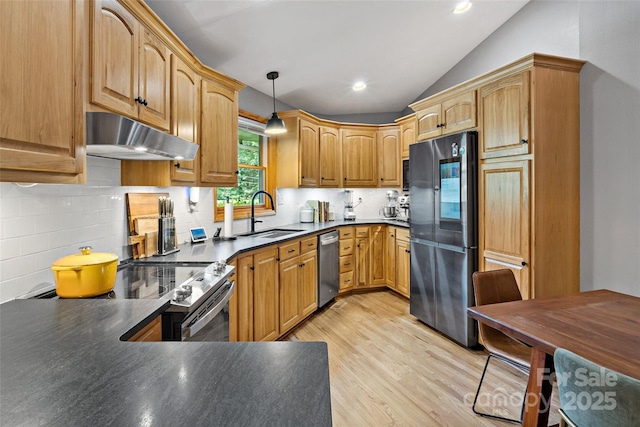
(143, 213)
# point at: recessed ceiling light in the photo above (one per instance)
(178, 157)
(462, 7)
(359, 85)
(140, 148)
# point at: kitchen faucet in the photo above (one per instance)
(253, 198)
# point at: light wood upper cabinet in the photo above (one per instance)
(130, 66)
(389, 162)
(359, 160)
(407, 134)
(451, 115)
(429, 122)
(42, 130)
(504, 117)
(330, 174)
(185, 84)
(218, 135)
(309, 152)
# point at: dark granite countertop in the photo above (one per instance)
(209, 251)
(62, 364)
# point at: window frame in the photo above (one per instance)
(263, 209)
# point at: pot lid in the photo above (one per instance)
(86, 257)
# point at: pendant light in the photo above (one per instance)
(275, 125)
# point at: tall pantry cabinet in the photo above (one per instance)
(529, 184)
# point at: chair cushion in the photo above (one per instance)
(591, 395)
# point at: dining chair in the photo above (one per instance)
(591, 395)
(491, 287)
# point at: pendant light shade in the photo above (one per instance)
(275, 125)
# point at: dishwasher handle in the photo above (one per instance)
(328, 240)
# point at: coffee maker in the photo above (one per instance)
(347, 198)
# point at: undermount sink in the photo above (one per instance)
(270, 234)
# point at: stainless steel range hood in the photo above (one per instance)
(118, 137)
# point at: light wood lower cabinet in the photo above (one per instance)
(256, 296)
(403, 262)
(376, 255)
(362, 255)
(152, 332)
(390, 257)
(298, 282)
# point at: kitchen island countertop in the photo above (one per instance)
(62, 363)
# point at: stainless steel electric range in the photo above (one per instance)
(198, 293)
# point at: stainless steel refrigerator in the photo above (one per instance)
(444, 233)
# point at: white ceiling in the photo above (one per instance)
(399, 48)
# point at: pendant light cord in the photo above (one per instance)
(274, 94)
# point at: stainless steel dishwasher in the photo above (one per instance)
(328, 267)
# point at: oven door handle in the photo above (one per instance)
(204, 320)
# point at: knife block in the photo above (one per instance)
(167, 236)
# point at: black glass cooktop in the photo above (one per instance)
(146, 280)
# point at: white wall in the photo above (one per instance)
(41, 224)
(607, 35)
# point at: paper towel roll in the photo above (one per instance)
(228, 219)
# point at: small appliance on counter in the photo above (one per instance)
(306, 214)
(349, 214)
(390, 210)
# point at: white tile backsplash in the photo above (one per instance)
(43, 223)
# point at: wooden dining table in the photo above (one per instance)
(602, 326)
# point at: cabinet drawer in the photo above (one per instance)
(362, 231)
(308, 245)
(346, 280)
(289, 250)
(346, 232)
(402, 234)
(346, 263)
(346, 247)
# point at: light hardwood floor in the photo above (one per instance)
(388, 369)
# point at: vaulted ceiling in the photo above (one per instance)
(321, 48)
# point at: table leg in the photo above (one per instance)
(538, 397)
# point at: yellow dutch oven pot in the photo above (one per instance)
(85, 274)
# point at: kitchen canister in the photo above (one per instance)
(306, 214)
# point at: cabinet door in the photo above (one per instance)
(218, 135)
(403, 262)
(390, 257)
(309, 152)
(184, 116)
(389, 162)
(330, 175)
(154, 81)
(429, 122)
(233, 304)
(309, 283)
(504, 112)
(289, 293)
(42, 91)
(244, 297)
(359, 164)
(265, 295)
(114, 66)
(459, 112)
(362, 261)
(376, 254)
(408, 137)
(505, 217)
